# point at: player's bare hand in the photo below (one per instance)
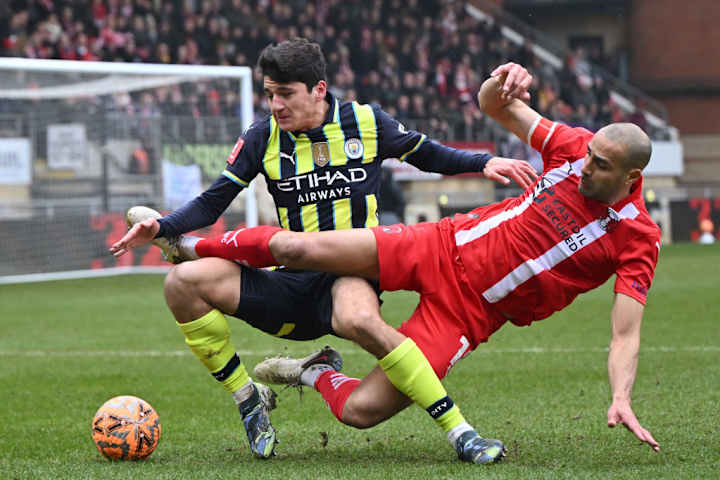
(499, 169)
(620, 412)
(140, 234)
(515, 80)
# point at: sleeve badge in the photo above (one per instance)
(236, 150)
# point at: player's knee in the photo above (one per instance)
(174, 283)
(180, 281)
(361, 323)
(289, 249)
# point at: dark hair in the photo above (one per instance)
(294, 60)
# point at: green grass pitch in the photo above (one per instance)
(67, 346)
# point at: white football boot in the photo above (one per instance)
(174, 249)
(287, 371)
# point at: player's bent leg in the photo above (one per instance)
(375, 400)
(410, 372)
(356, 316)
(198, 293)
(442, 353)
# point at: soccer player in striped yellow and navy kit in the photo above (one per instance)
(321, 158)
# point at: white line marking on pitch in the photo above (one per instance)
(480, 350)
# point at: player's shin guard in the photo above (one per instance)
(209, 339)
(246, 245)
(410, 372)
(335, 389)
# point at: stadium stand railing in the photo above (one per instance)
(622, 93)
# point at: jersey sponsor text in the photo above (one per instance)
(327, 178)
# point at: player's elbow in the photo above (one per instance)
(488, 99)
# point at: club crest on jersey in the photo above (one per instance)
(610, 222)
(320, 153)
(354, 148)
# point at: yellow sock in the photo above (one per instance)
(209, 339)
(411, 373)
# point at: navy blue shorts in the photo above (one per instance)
(286, 303)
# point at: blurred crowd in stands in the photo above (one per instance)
(422, 60)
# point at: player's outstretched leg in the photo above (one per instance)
(472, 448)
(174, 249)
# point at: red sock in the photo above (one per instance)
(335, 388)
(246, 245)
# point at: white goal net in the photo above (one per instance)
(80, 142)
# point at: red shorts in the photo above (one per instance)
(451, 319)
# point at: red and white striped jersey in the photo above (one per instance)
(532, 255)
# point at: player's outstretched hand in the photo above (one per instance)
(515, 80)
(499, 169)
(620, 412)
(140, 234)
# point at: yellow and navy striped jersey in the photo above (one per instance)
(325, 178)
(328, 177)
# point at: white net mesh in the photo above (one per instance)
(78, 148)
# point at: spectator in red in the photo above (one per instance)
(99, 13)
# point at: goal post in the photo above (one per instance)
(80, 142)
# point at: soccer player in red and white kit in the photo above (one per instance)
(519, 260)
